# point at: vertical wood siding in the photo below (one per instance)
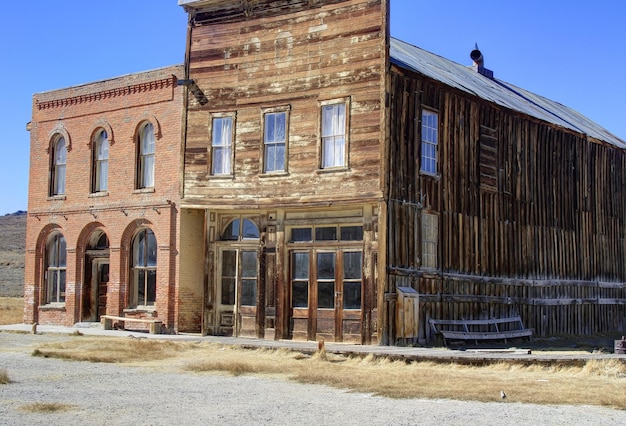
(545, 239)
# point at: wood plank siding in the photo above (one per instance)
(248, 59)
(330, 50)
(531, 216)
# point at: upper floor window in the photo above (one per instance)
(222, 135)
(100, 162)
(145, 158)
(144, 266)
(58, 167)
(274, 141)
(55, 269)
(334, 134)
(430, 137)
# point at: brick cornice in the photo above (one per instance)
(107, 94)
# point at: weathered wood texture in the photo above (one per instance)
(310, 52)
(531, 216)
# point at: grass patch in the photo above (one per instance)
(4, 377)
(46, 407)
(97, 349)
(596, 382)
(11, 310)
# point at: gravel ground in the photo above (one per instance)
(112, 394)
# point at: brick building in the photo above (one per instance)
(103, 224)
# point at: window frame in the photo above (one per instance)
(135, 271)
(264, 146)
(100, 137)
(231, 155)
(141, 181)
(346, 103)
(425, 159)
(57, 169)
(55, 288)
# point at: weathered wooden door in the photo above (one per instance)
(339, 296)
(238, 291)
(326, 295)
(94, 296)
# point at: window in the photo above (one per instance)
(100, 162)
(144, 262)
(429, 142)
(59, 159)
(430, 237)
(274, 141)
(300, 280)
(327, 233)
(239, 266)
(352, 279)
(336, 273)
(146, 149)
(222, 146)
(240, 229)
(55, 269)
(248, 278)
(326, 280)
(334, 135)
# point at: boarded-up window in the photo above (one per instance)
(488, 157)
(430, 237)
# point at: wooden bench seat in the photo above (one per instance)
(485, 329)
(154, 324)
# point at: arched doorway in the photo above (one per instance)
(94, 295)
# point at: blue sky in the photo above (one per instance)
(575, 55)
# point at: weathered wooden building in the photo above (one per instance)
(326, 165)
(282, 170)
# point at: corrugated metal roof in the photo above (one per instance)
(497, 91)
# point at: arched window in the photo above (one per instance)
(100, 173)
(144, 262)
(240, 230)
(57, 168)
(145, 160)
(55, 269)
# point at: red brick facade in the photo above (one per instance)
(98, 275)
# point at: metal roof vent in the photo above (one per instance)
(479, 62)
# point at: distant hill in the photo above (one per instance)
(12, 251)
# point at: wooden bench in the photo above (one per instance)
(485, 329)
(107, 322)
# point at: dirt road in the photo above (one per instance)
(99, 394)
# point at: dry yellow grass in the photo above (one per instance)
(4, 377)
(11, 310)
(46, 407)
(596, 383)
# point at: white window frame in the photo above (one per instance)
(134, 301)
(58, 178)
(146, 154)
(222, 165)
(275, 142)
(56, 274)
(100, 162)
(430, 142)
(334, 133)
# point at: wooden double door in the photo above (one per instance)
(326, 290)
